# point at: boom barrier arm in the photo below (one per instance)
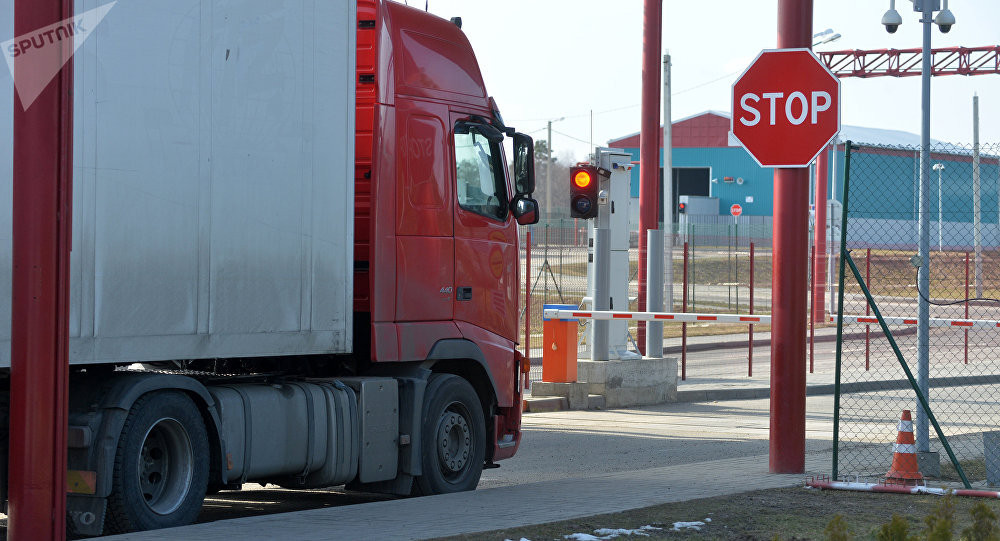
(689, 317)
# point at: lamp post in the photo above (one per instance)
(548, 171)
(940, 167)
(945, 20)
(827, 36)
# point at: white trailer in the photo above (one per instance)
(213, 219)
(213, 181)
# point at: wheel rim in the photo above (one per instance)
(165, 466)
(454, 440)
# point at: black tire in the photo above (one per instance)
(161, 466)
(453, 437)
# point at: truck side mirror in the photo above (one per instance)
(524, 165)
(525, 211)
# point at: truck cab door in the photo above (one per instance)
(424, 199)
(485, 255)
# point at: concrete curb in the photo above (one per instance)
(712, 395)
(732, 344)
(544, 404)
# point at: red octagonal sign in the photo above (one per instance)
(786, 108)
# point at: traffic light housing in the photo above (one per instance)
(682, 208)
(584, 190)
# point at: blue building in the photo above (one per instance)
(705, 163)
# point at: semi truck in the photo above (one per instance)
(294, 257)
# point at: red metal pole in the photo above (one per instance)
(966, 306)
(750, 349)
(812, 321)
(868, 308)
(649, 144)
(527, 307)
(819, 239)
(787, 442)
(684, 308)
(42, 204)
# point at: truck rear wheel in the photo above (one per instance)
(161, 468)
(453, 436)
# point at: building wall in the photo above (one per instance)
(886, 185)
(723, 162)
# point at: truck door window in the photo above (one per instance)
(479, 175)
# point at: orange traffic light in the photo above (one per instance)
(583, 191)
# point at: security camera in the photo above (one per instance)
(945, 19)
(892, 20)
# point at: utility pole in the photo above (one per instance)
(668, 191)
(548, 172)
(976, 193)
(548, 175)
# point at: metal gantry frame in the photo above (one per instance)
(907, 62)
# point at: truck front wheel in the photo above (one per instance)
(161, 468)
(453, 436)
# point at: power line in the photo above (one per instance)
(634, 105)
(571, 137)
(706, 83)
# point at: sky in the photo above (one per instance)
(548, 59)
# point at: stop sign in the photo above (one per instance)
(786, 108)
(736, 209)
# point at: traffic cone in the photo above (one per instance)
(904, 469)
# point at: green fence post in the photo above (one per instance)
(840, 308)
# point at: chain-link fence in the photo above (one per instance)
(960, 364)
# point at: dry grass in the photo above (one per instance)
(791, 513)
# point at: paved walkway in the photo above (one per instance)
(497, 508)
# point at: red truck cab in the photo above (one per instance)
(436, 246)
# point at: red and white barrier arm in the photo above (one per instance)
(934, 322)
(690, 317)
(679, 317)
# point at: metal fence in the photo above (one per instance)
(961, 365)
(720, 258)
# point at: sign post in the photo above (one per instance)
(786, 109)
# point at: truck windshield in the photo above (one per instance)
(479, 175)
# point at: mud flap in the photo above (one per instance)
(85, 515)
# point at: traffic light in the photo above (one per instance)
(584, 187)
(682, 208)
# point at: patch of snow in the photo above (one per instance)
(693, 525)
(603, 534)
(707, 520)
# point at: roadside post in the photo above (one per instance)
(39, 368)
(786, 109)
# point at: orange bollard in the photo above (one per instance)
(559, 347)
